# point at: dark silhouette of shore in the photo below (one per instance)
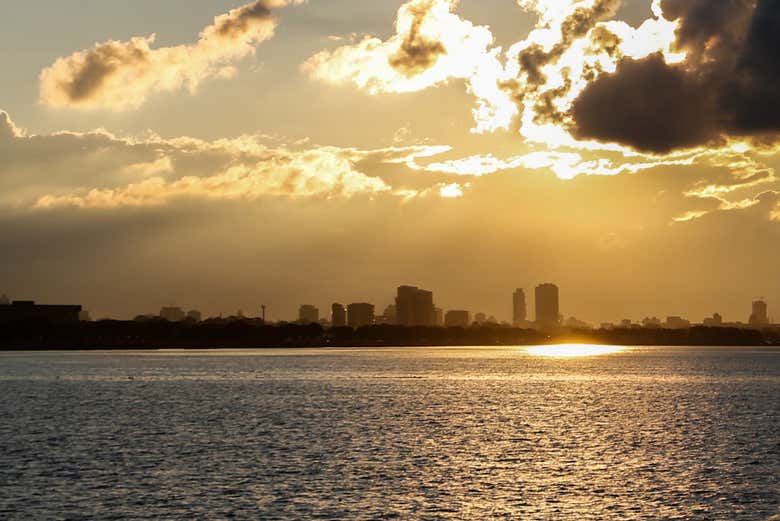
(252, 333)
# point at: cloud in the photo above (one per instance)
(726, 86)
(100, 170)
(680, 113)
(121, 75)
(8, 129)
(431, 45)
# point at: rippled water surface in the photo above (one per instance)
(650, 433)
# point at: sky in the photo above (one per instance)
(220, 155)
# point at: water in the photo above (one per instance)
(651, 433)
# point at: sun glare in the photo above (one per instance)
(574, 350)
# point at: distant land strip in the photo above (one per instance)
(109, 334)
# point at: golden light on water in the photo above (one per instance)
(574, 350)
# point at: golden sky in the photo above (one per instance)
(221, 155)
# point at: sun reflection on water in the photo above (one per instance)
(574, 350)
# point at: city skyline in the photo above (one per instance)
(546, 305)
(309, 145)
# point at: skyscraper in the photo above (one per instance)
(760, 316)
(359, 315)
(308, 314)
(414, 307)
(547, 306)
(519, 310)
(338, 315)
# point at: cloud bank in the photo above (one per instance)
(121, 75)
(100, 170)
(696, 73)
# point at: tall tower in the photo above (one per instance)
(519, 310)
(760, 315)
(547, 306)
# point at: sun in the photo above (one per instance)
(574, 350)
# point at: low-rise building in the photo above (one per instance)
(29, 311)
(457, 318)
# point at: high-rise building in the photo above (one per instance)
(519, 309)
(438, 317)
(360, 314)
(308, 314)
(390, 316)
(480, 318)
(760, 315)
(338, 315)
(194, 315)
(414, 307)
(547, 306)
(457, 318)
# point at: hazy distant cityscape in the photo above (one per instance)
(411, 307)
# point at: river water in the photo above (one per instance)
(449, 433)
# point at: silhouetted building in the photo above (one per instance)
(575, 323)
(760, 316)
(4, 300)
(308, 314)
(651, 323)
(480, 318)
(457, 318)
(391, 314)
(519, 309)
(147, 318)
(172, 314)
(677, 323)
(547, 306)
(84, 316)
(338, 315)
(388, 317)
(28, 310)
(414, 307)
(438, 319)
(359, 315)
(715, 321)
(194, 315)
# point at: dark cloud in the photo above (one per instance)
(753, 95)
(417, 52)
(121, 75)
(101, 63)
(709, 29)
(676, 112)
(239, 21)
(727, 86)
